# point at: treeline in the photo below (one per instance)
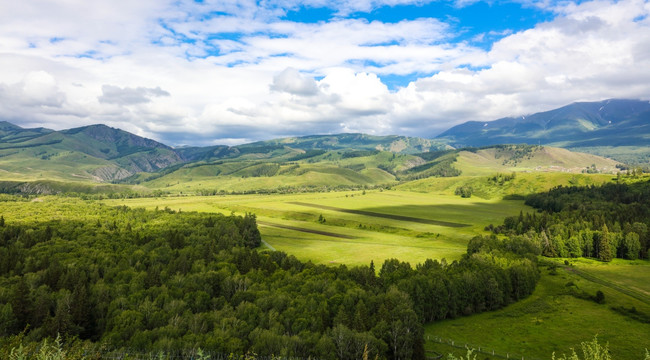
(442, 167)
(603, 222)
(175, 282)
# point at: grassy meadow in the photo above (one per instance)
(355, 227)
(553, 320)
(486, 187)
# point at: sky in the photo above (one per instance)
(203, 72)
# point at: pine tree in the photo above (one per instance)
(604, 250)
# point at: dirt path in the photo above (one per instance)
(381, 215)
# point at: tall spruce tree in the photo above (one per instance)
(604, 249)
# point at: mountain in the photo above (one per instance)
(101, 153)
(297, 145)
(392, 143)
(608, 123)
(131, 152)
(96, 152)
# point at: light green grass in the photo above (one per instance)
(550, 320)
(375, 238)
(28, 165)
(544, 159)
(524, 183)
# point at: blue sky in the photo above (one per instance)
(477, 23)
(228, 71)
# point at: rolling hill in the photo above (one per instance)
(100, 154)
(103, 154)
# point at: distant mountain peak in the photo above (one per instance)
(7, 126)
(104, 133)
(609, 122)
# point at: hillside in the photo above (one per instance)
(91, 153)
(335, 170)
(294, 146)
(516, 170)
(619, 128)
(532, 158)
(100, 154)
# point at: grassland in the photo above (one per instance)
(527, 159)
(375, 225)
(553, 320)
(524, 183)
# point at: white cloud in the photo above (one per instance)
(163, 69)
(129, 96)
(292, 82)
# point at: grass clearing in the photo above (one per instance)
(373, 226)
(552, 320)
(381, 215)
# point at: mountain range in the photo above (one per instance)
(578, 125)
(100, 153)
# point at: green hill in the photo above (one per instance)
(517, 170)
(95, 153)
(100, 154)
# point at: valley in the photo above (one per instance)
(481, 245)
(377, 225)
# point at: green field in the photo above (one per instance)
(552, 320)
(358, 226)
(524, 183)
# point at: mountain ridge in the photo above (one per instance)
(105, 154)
(613, 122)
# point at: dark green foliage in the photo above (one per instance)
(170, 281)
(265, 170)
(441, 167)
(307, 154)
(604, 249)
(632, 313)
(602, 222)
(464, 191)
(432, 155)
(358, 153)
(500, 179)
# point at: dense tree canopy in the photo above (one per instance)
(172, 281)
(596, 221)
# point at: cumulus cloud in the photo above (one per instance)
(200, 73)
(129, 96)
(292, 82)
(35, 97)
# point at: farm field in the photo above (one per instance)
(355, 227)
(553, 320)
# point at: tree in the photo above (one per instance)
(604, 250)
(21, 303)
(7, 320)
(600, 297)
(632, 246)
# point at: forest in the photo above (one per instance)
(603, 222)
(164, 280)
